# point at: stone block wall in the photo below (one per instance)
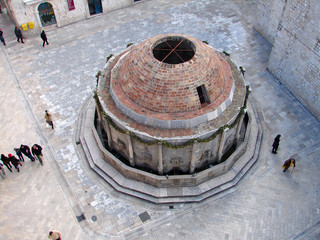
(269, 13)
(25, 11)
(109, 5)
(295, 56)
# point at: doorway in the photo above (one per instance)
(95, 6)
(46, 14)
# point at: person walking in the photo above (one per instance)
(37, 152)
(26, 151)
(54, 235)
(6, 162)
(275, 144)
(288, 163)
(18, 34)
(19, 154)
(43, 36)
(48, 118)
(15, 162)
(2, 38)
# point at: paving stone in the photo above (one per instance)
(268, 204)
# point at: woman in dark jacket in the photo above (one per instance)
(6, 162)
(15, 162)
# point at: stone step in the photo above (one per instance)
(90, 144)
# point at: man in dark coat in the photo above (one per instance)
(19, 154)
(6, 162)
(44, 38)
(18, 33)
(15, 162)
(288, 163)
(26, 151)
(275, 144)
(37, 152)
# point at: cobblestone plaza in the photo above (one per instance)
(65, 194)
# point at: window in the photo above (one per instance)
(203, 95)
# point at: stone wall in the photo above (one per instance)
(109, 5)
(25, 11)
(295, 56)
(269, 13)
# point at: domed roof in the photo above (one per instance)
(171, 77)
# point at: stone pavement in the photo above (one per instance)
(60, 77)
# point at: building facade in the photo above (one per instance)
(292, 27)
(33, 15)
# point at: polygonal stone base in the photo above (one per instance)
(95, 153)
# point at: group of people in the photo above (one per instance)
(19, 36)
(289, 162)
(33, 154)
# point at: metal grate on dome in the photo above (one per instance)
(174, 50)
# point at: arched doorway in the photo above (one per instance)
(95, 6)
(46, 14)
